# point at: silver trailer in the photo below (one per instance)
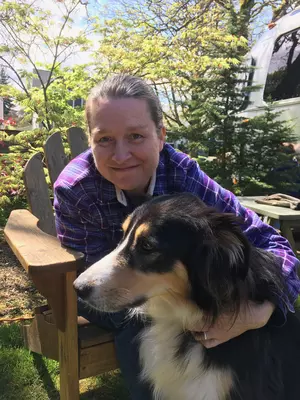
(276, 58)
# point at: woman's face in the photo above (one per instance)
(124, 142)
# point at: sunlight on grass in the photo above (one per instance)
(20, 374)
(28, 376)
(109, 386)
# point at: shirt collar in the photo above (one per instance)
(121, 195)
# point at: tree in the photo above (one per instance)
(170, 43)
(183, 48)
(29, 34)
(264, 162)
(167, 47)
(7, 101)
(249, 155)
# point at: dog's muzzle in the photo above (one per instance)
(83, 289)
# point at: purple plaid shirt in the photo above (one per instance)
(89, 215)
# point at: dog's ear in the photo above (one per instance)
(225, 248)
(232, 249)
(220, 259)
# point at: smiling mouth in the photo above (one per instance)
(124, 169)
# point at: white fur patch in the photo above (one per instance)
(179, 379)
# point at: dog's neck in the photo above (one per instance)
(173, 309)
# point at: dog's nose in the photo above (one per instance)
(83, 290)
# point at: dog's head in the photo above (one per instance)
(173, 247)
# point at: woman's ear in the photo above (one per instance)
(162, 137)
(163, 132)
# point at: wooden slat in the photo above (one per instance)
(97, 360)
(41, 335)
(91, 335)
(78, 141)
(38, 193)
(36, 249)
(55, 156)
(68, 345)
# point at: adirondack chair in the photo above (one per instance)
(56, 332)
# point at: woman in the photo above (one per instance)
(129, 159)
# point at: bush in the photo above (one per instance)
(20, 148)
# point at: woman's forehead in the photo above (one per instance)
(130, 114)
(120, 105)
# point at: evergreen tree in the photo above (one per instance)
(7, 101)
(248, 154)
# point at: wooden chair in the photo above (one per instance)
(56, 332)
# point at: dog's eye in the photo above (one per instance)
(146, 245)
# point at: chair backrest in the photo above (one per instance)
(37, 189)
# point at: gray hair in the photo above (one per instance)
(126, 86)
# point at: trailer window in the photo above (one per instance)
(283, 80)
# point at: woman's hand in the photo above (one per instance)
(226, 327)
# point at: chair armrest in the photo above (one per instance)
(51, 267)
(36, 249)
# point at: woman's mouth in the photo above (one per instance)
(124, 169)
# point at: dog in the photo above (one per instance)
(178, 262)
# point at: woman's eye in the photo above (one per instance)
(136, 136)
(104, 140)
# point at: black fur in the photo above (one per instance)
(224, 269)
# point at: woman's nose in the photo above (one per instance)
(121, 153)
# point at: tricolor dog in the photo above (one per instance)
(178, 261)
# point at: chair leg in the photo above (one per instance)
(68, 345)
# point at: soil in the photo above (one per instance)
(18, 297)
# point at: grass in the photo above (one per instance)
(19, 376)
(28, 376)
